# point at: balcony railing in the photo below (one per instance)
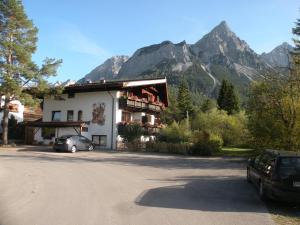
(139, 105)
(146, 127)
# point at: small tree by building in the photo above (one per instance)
(184, 99)
(228, 99)
(130, 132)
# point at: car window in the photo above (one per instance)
(265, 163)
(257, 161)
(75, 138)
(83, 138)
(289, 166)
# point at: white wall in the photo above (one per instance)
(84, 102)
(18, 115)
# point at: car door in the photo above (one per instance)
(269, 171)
(83, 143)
(77, 142)
(255, 170)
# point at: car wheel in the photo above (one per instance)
(91, 147)
(73, 149)
(248, 176)
(262, 193)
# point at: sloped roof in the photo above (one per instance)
(120, 85)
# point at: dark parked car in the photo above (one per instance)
(73, 143)
(276, 174)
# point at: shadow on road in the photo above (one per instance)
(222, 194)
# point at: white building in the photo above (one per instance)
(16, 109)
(96, 110)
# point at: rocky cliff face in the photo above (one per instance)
(279, 56)
(148, 59)
(108, 70)
(224, 48)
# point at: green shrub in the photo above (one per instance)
(176, 132)
(205, 144)
(172, 148)
(130, 132)
(231, 128)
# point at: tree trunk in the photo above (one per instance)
(5, 122)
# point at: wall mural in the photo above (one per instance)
(98, 113)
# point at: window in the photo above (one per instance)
(79, 118)
(56, 115)
(100, 140)
(289, 166)
(146, 119)
(126, 116)
(71, 95)
(70, 115)
(83, 139)
(48, 132)
(84, 129)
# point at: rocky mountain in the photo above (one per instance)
(108, 70)
(154, 57)
(219, 55)
(64, 84)
(279, 56)
(222, 47)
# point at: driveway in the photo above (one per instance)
(38, 187)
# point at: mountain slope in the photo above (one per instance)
(279, 56)
(108, 70)
(222, 47)
(151, 58)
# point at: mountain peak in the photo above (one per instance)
(286, 45)
(221, 28)
(223, 24)
(221, 44)
(109, 69)
(279, 56)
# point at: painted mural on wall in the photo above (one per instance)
(98, 113)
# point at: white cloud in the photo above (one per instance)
(74, 39)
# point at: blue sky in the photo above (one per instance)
(85, 33)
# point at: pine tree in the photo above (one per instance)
(184, 99)
(228, 99)
(18, 38)
(296, 31)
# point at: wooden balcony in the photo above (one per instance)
(148, 129)
(140, 105)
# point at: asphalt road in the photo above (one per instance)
(91, 188)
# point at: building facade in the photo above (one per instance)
(97, 110)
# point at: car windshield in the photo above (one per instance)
(65, 137)
(289, 166)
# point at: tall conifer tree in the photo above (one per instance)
(18, 38)
(228, 99)
(184, 99)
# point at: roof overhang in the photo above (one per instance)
(144, 82)
(57, 124)
(117, 85)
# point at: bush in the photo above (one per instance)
(130, 132)
(231, 128)
(164, 147)
(176, 132)
(205, 144)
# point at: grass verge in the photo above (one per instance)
(283, 213)
(237, 152)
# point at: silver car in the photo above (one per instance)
(73, 143)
